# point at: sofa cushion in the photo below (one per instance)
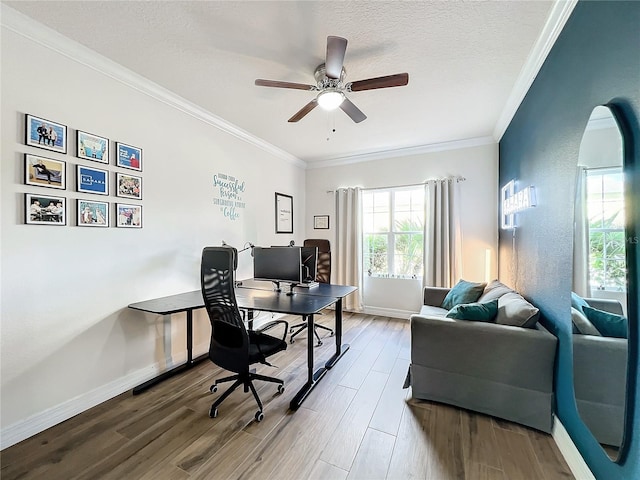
(479, 312)
(430, 311)
(608, 324)
(582, 323)
(578, 302)
(514, 310)
(493, 291)
(463, 292)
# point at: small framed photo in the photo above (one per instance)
(45, 210)
(128, 186)
(128, 156)
(321, 222)
(45, 172)
(128, 216)
(92, 147)
(92, 180)
(46, 134)
(92, 213)
(284, 213)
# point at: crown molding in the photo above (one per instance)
(560, 13)
(401, 152)
(49, 38)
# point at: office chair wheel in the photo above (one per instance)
(280, 388)
(291, 330)
(213, 389)
(319, 343)
(291, 341)
(213, 413)
(259, 416)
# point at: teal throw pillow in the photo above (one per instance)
(608, 324)
(578, 302)
(479, 312)
(463, 292)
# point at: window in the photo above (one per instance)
(605, 210)
(393, 232)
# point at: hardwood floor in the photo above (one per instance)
(357, 424)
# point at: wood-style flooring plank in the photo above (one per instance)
(517, 456)
(373, 457)
(325, 471)
(413, 450)
(549, 457)
(388, 412)
(346, 438)
(358, 422)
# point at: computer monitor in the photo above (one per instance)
(278, 264)
(309, 263)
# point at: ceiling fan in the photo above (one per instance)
(331, 86)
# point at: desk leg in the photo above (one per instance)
(180, 368)
(250, 318)
(340, 348)
(312, 377)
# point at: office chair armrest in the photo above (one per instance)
(270, 325)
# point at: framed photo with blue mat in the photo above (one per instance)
(45, 172)
(92, 180)
(92, 147)
(128, 156)
(46, 134)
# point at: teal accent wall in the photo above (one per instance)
(595, 61)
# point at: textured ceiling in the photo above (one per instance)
(463, 59)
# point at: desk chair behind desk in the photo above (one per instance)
(232, 346)
(323, 275)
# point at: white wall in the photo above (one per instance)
(68, 339)
(479, 215)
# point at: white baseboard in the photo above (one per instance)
(388, 312)
(570, 452)
(48, 418)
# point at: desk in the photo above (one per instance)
(256, 295)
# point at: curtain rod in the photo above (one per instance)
(457, 178)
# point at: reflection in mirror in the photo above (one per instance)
(599, 300)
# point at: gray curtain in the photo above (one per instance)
(581, 237)
(442, 234)
(348, 256)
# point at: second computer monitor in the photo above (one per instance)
(278, 264)
(309, 264)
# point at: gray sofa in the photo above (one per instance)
(501, 370)
(599, 374)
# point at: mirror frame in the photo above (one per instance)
(613, 453)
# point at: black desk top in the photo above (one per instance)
(264, 299)
(320, 290)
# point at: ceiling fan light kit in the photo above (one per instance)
(330, 99)
(330, 84)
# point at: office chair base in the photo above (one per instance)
(246, 380)
(303, 326)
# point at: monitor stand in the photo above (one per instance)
(291, 292)
(276, 286)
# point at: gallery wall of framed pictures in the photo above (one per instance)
(47, 172)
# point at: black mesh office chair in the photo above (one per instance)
(323, 275)
(232, 346)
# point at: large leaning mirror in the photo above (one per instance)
(599, 298)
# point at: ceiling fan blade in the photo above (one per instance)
(397, 80)
(354, 112)
(336, 48)
(304, 110)
(278, 84)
